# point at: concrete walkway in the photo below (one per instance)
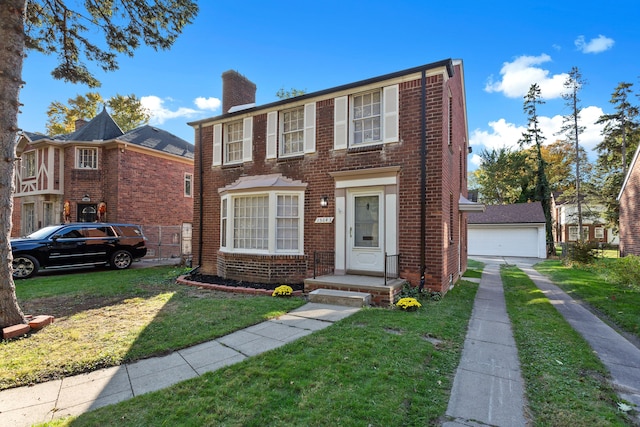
(487, 402)
(619, 356)
(488, 388)
(24, 406)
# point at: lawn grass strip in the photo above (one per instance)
(566, 384)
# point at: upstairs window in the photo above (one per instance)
(366, 118)
(292, 132)
(87, 158)
(29, 162)
(233, 142)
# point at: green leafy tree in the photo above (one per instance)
(127, 111)
(572, 131)
(292, 93)
(533, 137)
(560, 160)
(97, 32)
(621, 135)
(504, 177)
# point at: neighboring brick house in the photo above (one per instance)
(629, 199)
(99, 173)
(337, 171)
(565, 219)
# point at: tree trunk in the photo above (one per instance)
(12, 40)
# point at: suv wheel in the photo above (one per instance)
(121, 260)
(24, 266)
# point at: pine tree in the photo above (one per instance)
(621, 136)
(533, 135)
(572, 131)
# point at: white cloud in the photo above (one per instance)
(597, 45)
(519, 75)
(160, 113)
(211, 104)
(475, 160)
(502, 134)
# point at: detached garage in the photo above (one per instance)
(508, 230)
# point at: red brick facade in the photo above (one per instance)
(137, 184)
(394, 166)
(630, 211)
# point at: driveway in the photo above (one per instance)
(518, 261)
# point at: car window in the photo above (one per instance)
(98, 232)
(43, 232)
(130, 230)
(70, 233)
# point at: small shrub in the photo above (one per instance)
(436, 296)
(626, 271)
(582, 252)
(409, 291)
(282, 291)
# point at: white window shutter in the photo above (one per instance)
(310, 127)
(390, 99)
(247, 139)
(272, 135)
(217, 145)
(340, 122)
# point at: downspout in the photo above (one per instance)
(423, 178)
(201, 197)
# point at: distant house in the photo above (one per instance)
(99, 173)
(365, 177)
(629, 199)
(565, 219)
(508, 230)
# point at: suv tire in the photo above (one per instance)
(25, 266)
(121, 260)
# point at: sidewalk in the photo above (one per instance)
(488, 388)
(75, 395)
(489, 324)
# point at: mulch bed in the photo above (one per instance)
(231, 285)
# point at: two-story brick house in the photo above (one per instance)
(364, 171)
(99, 173)
(564, 213)
(629, 200)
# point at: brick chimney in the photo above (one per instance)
(236, 90)
(80, 123)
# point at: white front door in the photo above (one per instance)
(365, 231)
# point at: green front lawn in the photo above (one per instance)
(110, 317)
(611, 286)
(382, 367)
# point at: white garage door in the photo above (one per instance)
(516, 241)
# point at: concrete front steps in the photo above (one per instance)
(337, 297)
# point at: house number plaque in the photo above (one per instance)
(324, 220)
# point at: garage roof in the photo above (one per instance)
(519, 213)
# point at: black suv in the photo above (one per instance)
(77, 245)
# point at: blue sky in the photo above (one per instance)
(505, 47)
